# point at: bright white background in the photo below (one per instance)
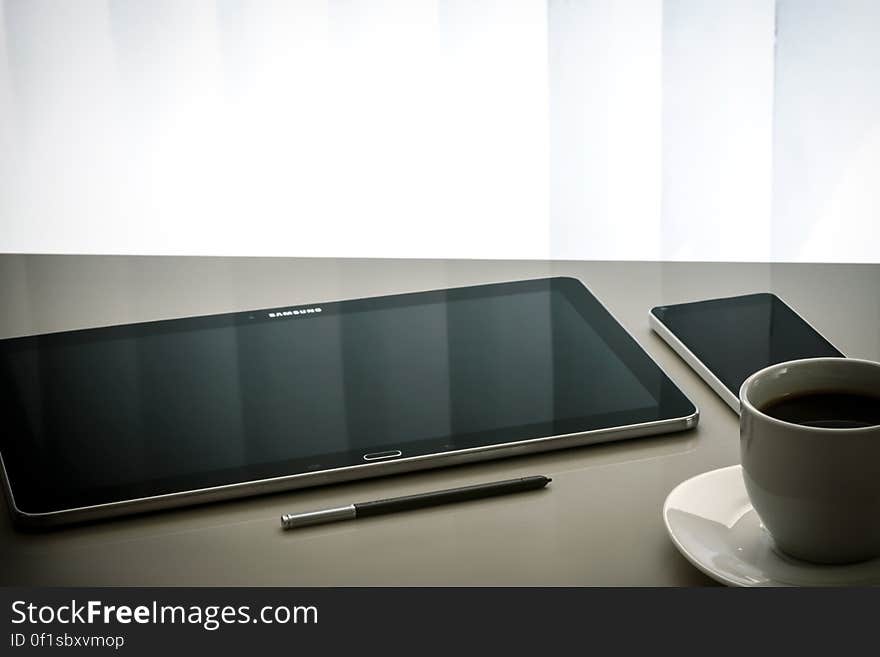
(560, 129)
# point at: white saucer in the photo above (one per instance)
(713, 524)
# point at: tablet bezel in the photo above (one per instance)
(673, 412)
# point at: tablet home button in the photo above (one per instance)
(376, 456)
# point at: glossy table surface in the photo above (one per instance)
(598, 523)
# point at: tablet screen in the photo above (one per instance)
(145, 409)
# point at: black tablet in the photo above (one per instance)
(106, 421)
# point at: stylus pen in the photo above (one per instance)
(410, 502)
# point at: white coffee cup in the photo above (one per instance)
(816, 489)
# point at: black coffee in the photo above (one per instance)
(828, 409)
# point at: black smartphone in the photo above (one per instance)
(727, 340)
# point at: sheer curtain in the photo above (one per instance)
(827, 132)
(547, 129)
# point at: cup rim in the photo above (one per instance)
(745, 403)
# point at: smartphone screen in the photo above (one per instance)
(737, 336)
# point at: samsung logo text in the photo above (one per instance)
(291, 313)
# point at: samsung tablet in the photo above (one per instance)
(106, 421)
